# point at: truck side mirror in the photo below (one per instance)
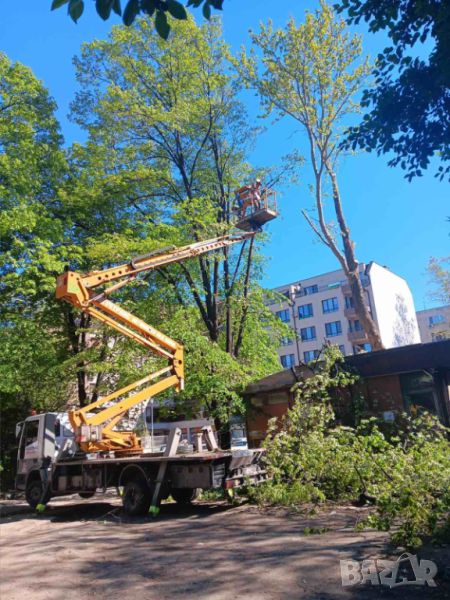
(19, 427)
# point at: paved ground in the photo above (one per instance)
(90, 550)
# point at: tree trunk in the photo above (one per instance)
(352, 271)
(362, 310)
(78, 344)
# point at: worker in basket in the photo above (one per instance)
(248, 196)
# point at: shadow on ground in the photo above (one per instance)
(209, 550)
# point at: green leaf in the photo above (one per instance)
(116, 7)
(207, 10)
(58, 4)
(131, 11)
(104, 8)
(162, 25)
(148, 6)
(176, 9)
(75, 9)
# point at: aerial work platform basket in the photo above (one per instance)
(258, 207)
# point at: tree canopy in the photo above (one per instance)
(310, 73)
(157, 9)
(409, 106)
(163, 154)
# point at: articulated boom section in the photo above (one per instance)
(94, 424)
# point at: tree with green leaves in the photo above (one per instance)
(402, 467)
(125, 192)
(174, 108)
(439, 269)
(32, 166)
(156, 9)
(409, 107)
(311, 73)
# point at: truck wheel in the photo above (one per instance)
(136, 497)
(185, 495)
(86, 495)
(33, 492)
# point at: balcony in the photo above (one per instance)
(350, 313)
(357, 337)
(346, 289)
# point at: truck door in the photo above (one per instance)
(29, 451)
(37, 442)
(29, 447)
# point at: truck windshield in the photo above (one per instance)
(237, 433)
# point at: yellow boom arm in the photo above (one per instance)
(94, 424)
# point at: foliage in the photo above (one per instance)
(214, 378)
(439, 269)
(125, 193)
(410, 105)
(32, 166)
(311, 73)
(158, 9)
(170, 113)
(405, 470)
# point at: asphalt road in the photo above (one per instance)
(90, 550)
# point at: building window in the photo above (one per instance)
(438, 337)
(287, 360)
(305, 311)
(362, 348)
(349, 302)
(284, 315)
(342, 349)
(435, 319)
(334, 328)
(330, 305)
(310, 289)
(419, 392)
(308, 333)
(286, 341)
(355, 325)
(310, 355)
(307, 290)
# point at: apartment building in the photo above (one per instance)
(434, 323)
(321, 309)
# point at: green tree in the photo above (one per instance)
(311, 74)
(439, 269)
(175, 108)
(124, 193)
(167, 144)
(158, 9)
(410, 105)
(402, 468)
(32, 166)
(45, 225)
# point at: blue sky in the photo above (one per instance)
(396, 223)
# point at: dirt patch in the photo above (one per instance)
(91, 550)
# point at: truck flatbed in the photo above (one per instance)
(159, 457)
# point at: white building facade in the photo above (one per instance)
(320, 310)
(434, 323)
